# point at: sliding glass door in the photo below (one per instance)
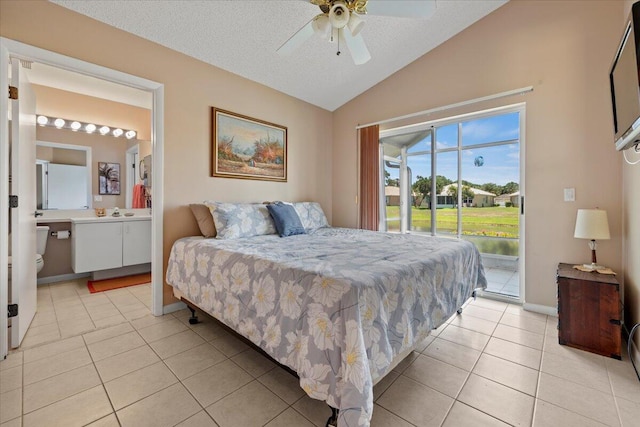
(461, 178)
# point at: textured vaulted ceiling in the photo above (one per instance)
(242, 37)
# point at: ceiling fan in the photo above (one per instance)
(341, 22)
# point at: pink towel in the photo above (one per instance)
(138, 197)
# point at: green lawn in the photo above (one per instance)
(493, 230)
(493, 222)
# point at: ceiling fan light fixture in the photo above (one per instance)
(322, 26)
(339, 15)
(355, 24)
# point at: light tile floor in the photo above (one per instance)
(503, 280)
(494, 365)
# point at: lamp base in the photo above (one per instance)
(593, 266)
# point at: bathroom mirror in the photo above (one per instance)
(63, 176)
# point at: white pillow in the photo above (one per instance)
(236, 220)
(311, 215)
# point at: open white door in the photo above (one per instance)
(23, 184)
(4, 199)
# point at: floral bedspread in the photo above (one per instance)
(336, 305)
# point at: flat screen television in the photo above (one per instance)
(624, 78)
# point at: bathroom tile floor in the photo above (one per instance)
(103, 360)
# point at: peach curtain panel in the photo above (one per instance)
(369, 178)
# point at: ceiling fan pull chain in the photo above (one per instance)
(338, 52)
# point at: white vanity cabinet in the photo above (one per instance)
(136, 242)
(105, 244)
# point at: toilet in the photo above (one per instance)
(42, 232)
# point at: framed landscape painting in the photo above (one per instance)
(247, 148)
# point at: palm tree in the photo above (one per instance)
(109, 173)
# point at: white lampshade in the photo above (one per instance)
(592, 224)
(322, 26)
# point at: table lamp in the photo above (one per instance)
(592, 224)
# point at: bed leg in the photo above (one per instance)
(459, 311)
(333, 419)
(193, 319)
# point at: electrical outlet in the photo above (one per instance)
(569, 194)
(97, 198)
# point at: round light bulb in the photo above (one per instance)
(104, 130)
(75, 126)
(90, 128)
(59, 123)
(117, 132)
(42, 120)
(130, 134)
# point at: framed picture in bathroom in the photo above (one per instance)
(109, 178)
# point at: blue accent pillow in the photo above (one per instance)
(286, 219)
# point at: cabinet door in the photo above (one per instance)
(136, 242)
(96, 246)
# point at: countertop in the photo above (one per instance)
(120, 218)
(88, 215)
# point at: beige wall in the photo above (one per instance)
(631, 230)
(53, 102)
(191, 88)
(563, 49)
(69, 157)
(57, 256)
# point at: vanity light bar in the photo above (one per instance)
(75, 126)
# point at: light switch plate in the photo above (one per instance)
(569, 194)
(97, 198)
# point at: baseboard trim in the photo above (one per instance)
(542, 309)
(176, 306)
(61, 278)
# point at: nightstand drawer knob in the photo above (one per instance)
(614, 321)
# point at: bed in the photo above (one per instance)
(340, 307)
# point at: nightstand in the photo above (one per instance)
(589, 315)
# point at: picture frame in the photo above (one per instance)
(247, 148)
(109, 178)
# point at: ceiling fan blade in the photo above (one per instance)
(297, 39)
(402, 8)
(356, 45)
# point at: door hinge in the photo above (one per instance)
(13, 92)
(13, 201)
(12, 310)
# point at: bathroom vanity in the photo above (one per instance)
(110, 242)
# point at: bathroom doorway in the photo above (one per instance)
(25, 53)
